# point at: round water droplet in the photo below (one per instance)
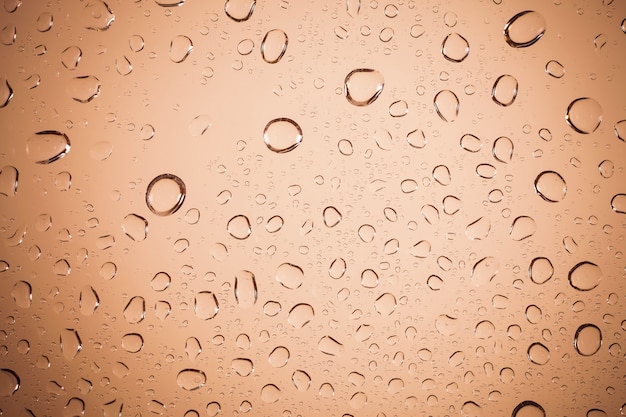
(242, 366)
(282, 135)
(550, 186)
(47, 146)
(584, 115)
(239, 10)
(332, 216)
(135, 227)
(528, 409)
(135, 310)
(205, 305)
(191, 379)
(132, 342)
(180, 48)
(540, 270)
(165, 194)
(84, 88)
(279, 357)
(369, 278)
(504, 90)
(385, 304)
(363, 86)
(555, 69)
(337, 268)
(484, 330)
(289, 275)
(538, 354)
(522, 228)
(470, 143)
(447, 105)
(270, 393)
(97, 16)
(455, 48)
(274, 46)
(358, 400)
(503, 149)
(588, 339)
(239, 227)
(618, 203)
(300, 315)
(524, 29)
(213, 409)
(585, 276)
(9, 382)
(398, 108)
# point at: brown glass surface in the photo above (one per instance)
(290, 208)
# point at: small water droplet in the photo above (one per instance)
(504, 90)
(282, 135)
(447, 105)
(165, 194)
(550, 186)
(584, 115)
(585, 276)
(524, 29)
(555, 69)
(180, 48)
(363, 86)
(455, 48)
(191, 379)
(47, 146)
(274, 45)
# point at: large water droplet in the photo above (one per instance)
(246, 292)
(135, 227)
(330, 346)
(70, 343)
(550, 186)
(6, 92)
(8, 35)
(524, 29)
(97, 15)
(44, 22)
(446, 325)
(191, 379)
(132, 342)
(180, 48)
(618, 203)
(270, 393)
(588, 339)
(585, 276)
(332, 216)
(47, 146)
(455, 48)
(9, 176)
(555, 69)
(584, 115)
(485, 270)
(300, 315)
(165, 194)
(242, 366)
(9, 382)
(274, 46)
(239, 10)
(289, 275)
(447, 105)
(282, 135)
(538, 353)
(70, 57)
(479, 229)
(135, 310)
(205, 305)
(522, 228)
(385, 304)
(88, 301)
(363, 86)
(279, 357)
(239, 227)
(540, 270)
(504, 90)
(84, 88)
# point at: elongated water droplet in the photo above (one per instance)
(191, 379)
(588, 339)
(301, 380)
(70, 343)
(246, 291)
(123, 65)
(44, 22)
(47, 146)
(84, 88)
(9, 176)
(522, 228)
(524, 29)
(447, 105)
(550, 186)
(8, 35)
(455, 48)
(504, 90)
(363, 86)
(274, 46)
(584, 115)
(165, 194)
(585, 276)
(88, 301)
(6, 92)
(192, 348)
(555, 69)
(282, 135)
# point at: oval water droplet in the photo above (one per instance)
(524, 29)
(363, 86)
(332, 216)
(528, 409)
(550, 186)
(135, 310)
(504, 90)
(588, 339)
(329, 346)
(270, 393)
(385, 304)
(540, 270)
(455, 48)
(585, 276)
(485, 270)
(300, 315)
(205, 305)
(180, 48)
(618, 203)
(289, 275)
(135, 227)
(584, 115)
(47, 146)
(192, 348)
(471, 143)
(242, 366)
(8, 35)
(555, 69)
(84, 88)
(274, 45)
(538, 353)
(6, 92)
(165, 194)
(337, 268)
(416, 138)
(44, 22)
(282, 135)
(70, 343)
(503, 149)
(447, 105)
(239, 10)
(132, 342)
(191, 379)
(97, 15)
(246, 292)
(88, 301)
(239, 227)
(446, 325)
(9, 176)
(369, 278)
(170, 3)
(479, 229)
(279, 357)
(70, 57)
(620, 130)
(9, 382)
(522, 228)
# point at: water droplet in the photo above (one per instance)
(246, 291)
(282, 135)
(44, 22)
(540, 270)
(584, 115)
(504, 90)
(367, 233)
(123, 65)
(416, 138)
(329, 346)
(135, 310)
(8, 35)
(451, 205)
(555, 69)
(47, 146)
(279, 357)
(6, 92)
(618, 203)
(9, 382)
(479, 229)
(485, 270)
(455, 48)
(136, 43)
(446, 325)
(447, 105)
(620, 130)
(9, 176)
(332, 216)
(205, 305)
(386, 34)
(165, 194)
(12, 5)
(135, 227)
(132, 342)
(61, 268)
(524, 29)
(70, 343)
(585, 276)
(337, 268)
(533, 314)
(239, 227)
(363, 86)
(239, 10)
(180, 48)
(170, 3)
(274, 46)
(191, 379)
(97, 15)
(289, 275)
(503, 149)
(522, 228)
(398, 108)
(88, 301)
(358, 400)
(270, 393)
(588, 339)
(550, 186)
(417, 30)
(485, 330)
(594, 412)
(471, 409)
(528, 409)
(385, 304)
(84, 88)
(242, 366)
(538, 354)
